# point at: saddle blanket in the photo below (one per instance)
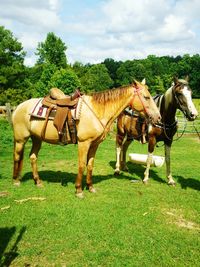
(40, 111)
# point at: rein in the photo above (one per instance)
(136, 90)
(92, 111)
(179, 103)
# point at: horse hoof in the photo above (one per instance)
(172, 183)
(40, 185)
(145, 182)
(80, 195)
(92, 190)
(116, 173)
(16, 183)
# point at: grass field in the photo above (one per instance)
(123, 224)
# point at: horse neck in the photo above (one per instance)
(168, 107)
(109, 110)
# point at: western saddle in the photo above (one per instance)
(61, 104)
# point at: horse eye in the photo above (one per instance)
(179, 94)
(146, 97)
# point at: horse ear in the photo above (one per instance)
(187, 78)
(143, 81)
(175, 80)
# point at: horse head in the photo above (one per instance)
(146, 105)
(183, 97)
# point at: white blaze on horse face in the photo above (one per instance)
(188, 96)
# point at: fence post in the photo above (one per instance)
(8, 112)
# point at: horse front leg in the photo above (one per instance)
(36, 145)
(18, 156)
(119, 148)
(168, 165)
(83, 148)
(90, 165)
(151, 146)
(148, 163)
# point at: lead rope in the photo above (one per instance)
(178, 137)
(196, 130)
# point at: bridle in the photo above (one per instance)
(137, 89)
(179, 103)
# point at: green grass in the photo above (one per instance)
(123, 224)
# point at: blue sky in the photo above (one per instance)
(97, 29)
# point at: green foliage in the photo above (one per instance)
(66, 80)
(18, 82)
(159, 72)
(80, 69)
(96, 79)
(6, 134)
(52, 51)
(43, 84)
(12, 70)
(130, 71)
(112, 67)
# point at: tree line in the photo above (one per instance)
(19, 82)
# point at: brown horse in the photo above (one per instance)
(98, 112)
(129, 127)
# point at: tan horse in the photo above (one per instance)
(99, 110)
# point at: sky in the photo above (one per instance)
(94, 30)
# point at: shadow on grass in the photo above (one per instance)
(188, 182)
(6, 234)
(53, 177)
(66, 177)
(138, 170)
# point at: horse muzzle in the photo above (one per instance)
(155, 119)
(191, 116)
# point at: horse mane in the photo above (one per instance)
(110, 95)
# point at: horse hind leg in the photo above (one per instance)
(119, 151)
(151, 146)
(83, 148)
(125, 146)
(18, 162)
(36, 145)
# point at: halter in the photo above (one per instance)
(172, 126)
(179, 103)
(136, 92)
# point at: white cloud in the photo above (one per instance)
(34, 14)
(100, 29)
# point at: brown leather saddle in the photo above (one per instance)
(62, 105)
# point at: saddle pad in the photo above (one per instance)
(40, 111)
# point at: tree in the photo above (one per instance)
(80, 69)
(52, 51)
(96, 79)
(66, 80)
(42, 85)
(112, 67)
(129, 71)
(12, 69)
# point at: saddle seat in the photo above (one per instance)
(63, 121)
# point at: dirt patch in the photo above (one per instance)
(176, 218)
